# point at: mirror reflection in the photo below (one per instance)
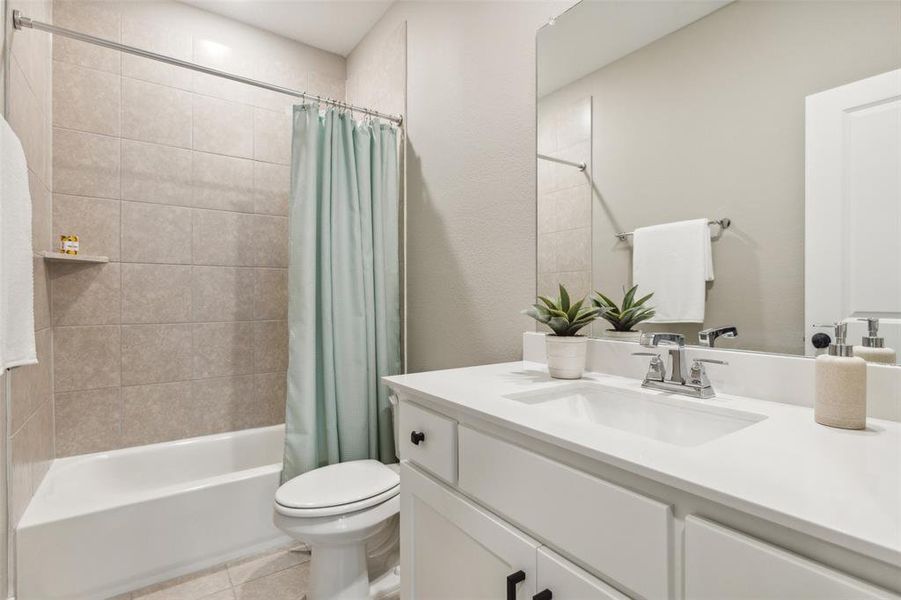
(741, 161)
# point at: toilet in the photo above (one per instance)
(337, 510)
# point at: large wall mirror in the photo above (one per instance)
(776, 124)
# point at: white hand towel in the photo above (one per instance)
(16, 278)
(674, 261)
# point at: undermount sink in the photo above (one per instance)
(661, 417)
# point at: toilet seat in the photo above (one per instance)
(337, 489)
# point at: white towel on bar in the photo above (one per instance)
(16, 278)
(674, 261)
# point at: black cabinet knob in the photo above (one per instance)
(512, 580)
(543, 595)
(821, 340)
(416, 437)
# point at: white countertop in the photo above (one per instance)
(837, 485)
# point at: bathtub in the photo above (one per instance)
(106, 523)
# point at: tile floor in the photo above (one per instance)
(281, 574)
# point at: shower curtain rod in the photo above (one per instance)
(21, 22)
(579, 165)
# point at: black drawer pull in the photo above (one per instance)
(543, 595)
(416, 437)
(512, 580)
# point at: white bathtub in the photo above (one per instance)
(106, 523)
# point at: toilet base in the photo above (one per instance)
(339, 572)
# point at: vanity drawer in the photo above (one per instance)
(622, 535)
(429, 440)
(722, 563)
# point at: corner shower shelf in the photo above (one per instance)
(73, 258)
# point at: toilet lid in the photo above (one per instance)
(335, 485)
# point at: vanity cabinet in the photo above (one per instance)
(477, 509)
(452, 549)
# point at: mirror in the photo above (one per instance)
(776, 125)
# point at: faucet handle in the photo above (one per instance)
(645, 354)
(656, 370)
(697, 376)
(711, 361)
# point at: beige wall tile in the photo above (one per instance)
(219, 54)
(157, 413)
(156, 234)
(32, 385)
(223, 349)
(27, 120)
(85, 294)
(272, 187)
(86, 358)
(230, 401)
(85, 164)
(156, 113)
(86, 99)
(41, 428)
(88, 421)
(272, 136)
(573, 207)
(100, 19)
(156, 353)
(156, 293)
(94, 220)
(270, 393)
(574, 249)
(166, 40)
(223, 182)
(41, 214)
(270, 346)
(270, 241)
(270, 294)
(156, 173)
(223, 127)
(223, 294)
(291, 74)
(22, 457)
(41, 293)
(326, 85)
(223, 238)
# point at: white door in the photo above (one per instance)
(853, 207)
(451, 549)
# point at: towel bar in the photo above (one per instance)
(723, 223)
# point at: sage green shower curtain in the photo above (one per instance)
(343, 290)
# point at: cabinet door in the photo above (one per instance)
(452, 549)
(722, 563)
(566, 581)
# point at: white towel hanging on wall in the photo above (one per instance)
(675, 261)
(17, 346)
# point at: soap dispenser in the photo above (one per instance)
(841, 385)
(872, 347)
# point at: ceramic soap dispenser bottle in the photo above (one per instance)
(841, 385)
(872, 347)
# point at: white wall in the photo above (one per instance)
(470, 176)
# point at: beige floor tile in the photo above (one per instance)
(288, 584)
(246, 570)
(189, 587)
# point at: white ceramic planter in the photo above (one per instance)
(566, 356)
(622, 336)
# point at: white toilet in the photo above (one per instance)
(336, 510)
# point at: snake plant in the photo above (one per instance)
(565, 318)
(625, 317)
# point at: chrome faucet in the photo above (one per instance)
(707, 337)
(693, 383)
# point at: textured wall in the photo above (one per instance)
(182, 180)
(29, 102)
(470, 176)
(709, 122)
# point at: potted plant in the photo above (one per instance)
(565, 348)
(624, 318)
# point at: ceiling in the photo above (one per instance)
(594, 33)
(333, 25)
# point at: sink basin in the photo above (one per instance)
(658, 416)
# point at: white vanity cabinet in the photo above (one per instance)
(477, 509)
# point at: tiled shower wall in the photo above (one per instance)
(182, 180)
(564, 197)
(29, 109)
